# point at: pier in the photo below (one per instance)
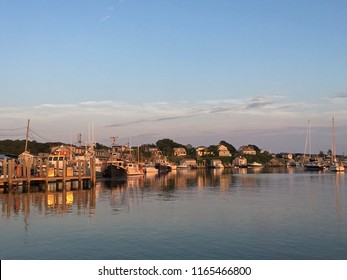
(39, 171)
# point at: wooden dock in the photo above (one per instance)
(39, 171)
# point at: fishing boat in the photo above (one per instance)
(115, 169)
(133, 169)
(162, 165)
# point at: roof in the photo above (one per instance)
(3, 156)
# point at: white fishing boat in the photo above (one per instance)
(133, 169)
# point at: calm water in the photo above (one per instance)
(198, 214)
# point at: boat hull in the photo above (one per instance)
(112, 171)
(313, 167)
(163, 167)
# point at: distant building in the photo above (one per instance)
(287, 155)
(247, 150)
(216, 163)
(223, 151)
(188, 163)
(179, 152)
(203, 151)
(62, 150)
(240, 161)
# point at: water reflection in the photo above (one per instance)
(55, 200)
(249, 214)
(59, 199)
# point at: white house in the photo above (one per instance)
(247, 150)
(240, 161)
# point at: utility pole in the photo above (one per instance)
(27, 137)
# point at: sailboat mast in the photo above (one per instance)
(308, 141)
(333, 141)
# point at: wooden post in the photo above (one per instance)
(64, 172)
(23, 170)
(85, 168)
(57, 168)
(79, 172)
(40, 168)
(91, 169)
(28, 170)
(10, 173)
(5, 168)
(47, 171)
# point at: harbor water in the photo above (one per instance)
(245, 214)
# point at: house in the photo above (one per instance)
(215, 163)
(62, 150)
(247, 150)
(26, 157)
(203, 151)
(179, 152)
(223, 151)
(240, 161)
(188, 163)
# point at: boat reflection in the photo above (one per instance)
(121, 194)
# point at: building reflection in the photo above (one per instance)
(48, 202)
(59, 199)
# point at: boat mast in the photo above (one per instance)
(308, 141)
(27, 137)
(333, 142)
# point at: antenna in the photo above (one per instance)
(79, 139)
(114, 140)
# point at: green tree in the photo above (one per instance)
(191, 151)
(166, 146)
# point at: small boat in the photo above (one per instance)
(133, 169)
(163, 166)
(335, 165)
(150, 168)
(314, 166)
(255, 164)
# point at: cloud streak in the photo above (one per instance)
(206, 120)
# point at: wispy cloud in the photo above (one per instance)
(339, 95)
(58, 106)
(205, 119)
(105, 18)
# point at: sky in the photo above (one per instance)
(197, 72)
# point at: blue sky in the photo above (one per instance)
(198, 71)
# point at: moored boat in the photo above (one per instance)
(133, 169)
(255, 164)
(115, 169)
(335, 165)
(314, 166)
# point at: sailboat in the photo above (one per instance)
(312, 164)
(335, 165)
